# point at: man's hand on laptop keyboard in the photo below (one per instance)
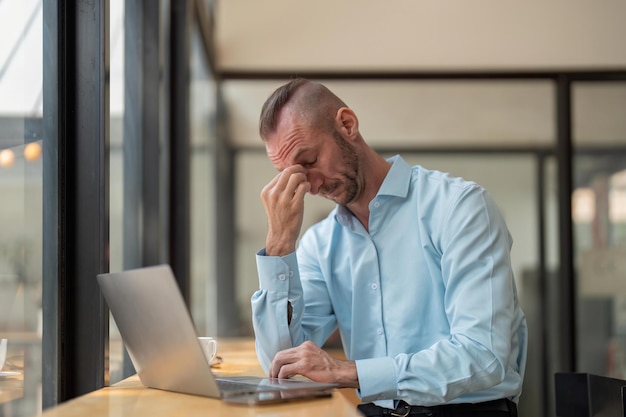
(314, 363)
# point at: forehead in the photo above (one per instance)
(283, 152)
(292, 139)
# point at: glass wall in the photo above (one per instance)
(116, 171)
(21, 215)
(203, 131)
(599, 221)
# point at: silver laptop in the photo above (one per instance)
(161, 340)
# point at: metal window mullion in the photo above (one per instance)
(87, 202)
(566, 280)
(76, 233)
(53, 195)
(178, 139)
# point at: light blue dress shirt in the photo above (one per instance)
(425, 302)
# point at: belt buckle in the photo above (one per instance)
(407, 411)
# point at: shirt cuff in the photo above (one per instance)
(377, 379)
(275, 271)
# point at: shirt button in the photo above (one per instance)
(379, 331)
(290, 273)
(374, 286)
(282, 277)
(376, 204)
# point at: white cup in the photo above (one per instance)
(209, 347)
(3, 352)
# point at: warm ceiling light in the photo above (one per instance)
(6, 158)
(32, 151)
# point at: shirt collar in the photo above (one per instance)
(396, 184)
(398, 178)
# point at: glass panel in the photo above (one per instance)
(598, 201)
(116, 172)
(598, 114)
(422, 114)
(202, 98)
(21, 211)
(544, 336)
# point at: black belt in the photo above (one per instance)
(404, 410)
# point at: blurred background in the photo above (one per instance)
(528, 99)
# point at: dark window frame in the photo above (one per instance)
(75, 190)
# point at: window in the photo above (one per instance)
(21, 142)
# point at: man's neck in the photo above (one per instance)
(378, 168)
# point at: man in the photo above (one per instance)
(412, 266)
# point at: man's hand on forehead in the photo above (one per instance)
(283, 198)
(292, 178)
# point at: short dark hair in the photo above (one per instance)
(274, 104)
(317, 105)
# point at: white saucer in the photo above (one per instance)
(9, 373)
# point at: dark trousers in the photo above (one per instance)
(496, 408)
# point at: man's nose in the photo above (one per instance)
(315, 180)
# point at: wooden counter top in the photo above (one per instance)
(130, 398)
(11, 388)
(12, 376)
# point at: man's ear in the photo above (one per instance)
(348, 122)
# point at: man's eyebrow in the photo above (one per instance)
(300, 152)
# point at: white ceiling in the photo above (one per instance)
(412, 35)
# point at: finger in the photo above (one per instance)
(285, 367)
(293, 189)
(301, 190)
(276, 368)
(281, 359)
(269, 187)
(283, 186)
(288, 370)
(295, 169)
(284, 176)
